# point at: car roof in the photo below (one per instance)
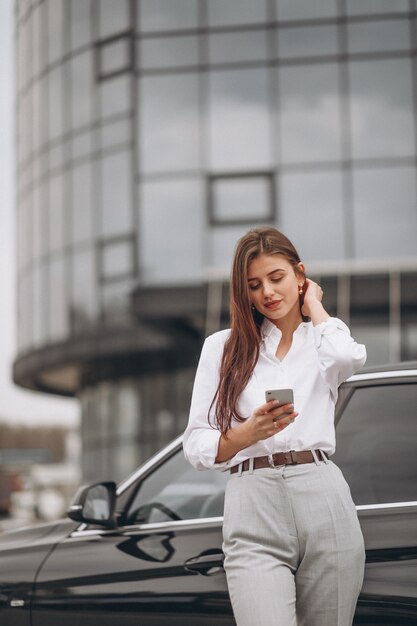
(389, 367)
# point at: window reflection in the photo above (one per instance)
(379, 35)
(238, 47)
(80, 23)
(38, 41)
(385, 220)
(81, 203)
(55, 39)
(241, 198)
(301, 10)
(116, 198)
(311, 212)
(38, 308)
(309, 104)
(115, 96)
(113, 17)
(306, 42)
(56, 214)
(382, 108)
(225, 12)
(161, 52)
(221, 244)
(169, 123)
(362, 7)
(84, 299)
(55, 108)
(81, 71)
(172, 223)
(114, 133)
(114, 56)
(116, 259)
(240, 132)
(57, 301)
(157, 15)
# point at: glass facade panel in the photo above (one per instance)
(157, 15)
(382, 108)
(38, 308)
(313, 203)
(251, 45)
(36, 131)
(82, 203)
(114, 56)
(241, 199)
(169, 123)
(173, 212)
(385, 219)
(58, 306)
(80, 20)
(115, 298)
(56, 157)
(113, 17)
(116, 259)
(56, 99)
(309, 105)
(160, 52)
(38, 41)
(239, 119)
(57, 226)
(84, 299)
(115, 96)
(115, 133)
(38, 221)
(307, 42)
(302, 10)
(55, 39)
(225, 12)
(380, 35)
(24, 313)
(81, 70)
(116, 199)
(363, 7)
(82, 145)
(221, 244)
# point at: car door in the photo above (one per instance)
(162, 565)
(377, 452)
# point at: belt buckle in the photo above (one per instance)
(271, 461)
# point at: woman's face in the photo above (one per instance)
(274, 285)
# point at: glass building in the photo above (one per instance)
(151, 135)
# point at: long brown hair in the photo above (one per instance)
(241, 349)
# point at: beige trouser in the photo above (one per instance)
(294, 552)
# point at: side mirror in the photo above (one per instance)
(94, 504)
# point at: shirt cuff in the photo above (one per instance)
(201, 449)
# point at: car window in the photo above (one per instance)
(376, 444)
(177, 491)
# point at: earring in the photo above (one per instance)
(300, 290)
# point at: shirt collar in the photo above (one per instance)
(269, 330)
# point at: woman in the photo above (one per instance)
(293, 547)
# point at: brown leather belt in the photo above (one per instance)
(292, 457)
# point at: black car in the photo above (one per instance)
(149, 552)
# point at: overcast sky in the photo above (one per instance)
(16, 404)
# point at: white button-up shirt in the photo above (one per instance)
(320, 358)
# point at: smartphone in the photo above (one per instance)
(283, 396)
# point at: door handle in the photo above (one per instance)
(207, 564)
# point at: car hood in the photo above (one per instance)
(39, 534)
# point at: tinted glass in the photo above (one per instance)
(377, 444)
(177, 491)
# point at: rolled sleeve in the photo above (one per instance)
(340, 355)
(201, 437)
